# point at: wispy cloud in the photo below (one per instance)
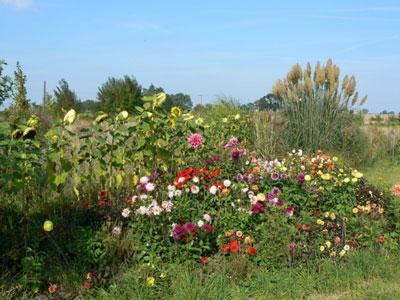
(20, 4)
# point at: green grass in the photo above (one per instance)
(365, 275)
(383, 173)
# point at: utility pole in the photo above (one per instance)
(44, 95)
(201, 99)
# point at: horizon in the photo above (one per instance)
(209, 49)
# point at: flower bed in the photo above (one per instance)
(189, 191)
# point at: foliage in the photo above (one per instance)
(5, 84)
(158, 187)
(65, 98)
(119, 94)
(19, 110)
(268, 102)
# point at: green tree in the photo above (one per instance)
(20, 108)
(268, 102)
(152, 90)
(50, 104)
(179, 99)
(5, 84)
(120, 94)
(65, 98)
(89, 106)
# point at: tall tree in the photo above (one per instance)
(268, 102)
(179, 99)
(65, 98)
(152, 90)
(120, 94)
(20, 107)
(5, 84)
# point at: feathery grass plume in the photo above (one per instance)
(308, 70)
(319, 75)
(363, 100)
(320, 104)
(308, 86)
(279, 89)
(354, 100)
(351, 87)
(295, 74)
(345, 81)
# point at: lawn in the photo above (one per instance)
(384, 173)
(365, 275)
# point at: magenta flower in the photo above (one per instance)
(207, 228)
(289, 211)
(274, 176)
(256, 208)
(178, 232)
(190, 226)
(195, 140)
(237, 153)
(300, 178)
(275, 190)
(284, 176)
(232, 143)
(271, 197)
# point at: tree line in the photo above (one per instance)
(115, 95)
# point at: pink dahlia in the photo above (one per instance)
(195, 140)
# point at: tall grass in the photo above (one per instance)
(315, 123)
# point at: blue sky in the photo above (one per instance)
(232, 48)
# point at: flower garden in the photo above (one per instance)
(160, 188)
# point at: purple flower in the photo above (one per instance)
(232, 143)
(274, 176)
(236, 153)
(178, 232)
(300, 178)
(284, 176)
(275, 190)
(207, 227)
(271, 197)
(153, 176)
(240, 177)
(279, 202)
(189, 226)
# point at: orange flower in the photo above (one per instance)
(254, 187)
(381, 239)
(256, 170)
(396, 190)
(229, 233)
